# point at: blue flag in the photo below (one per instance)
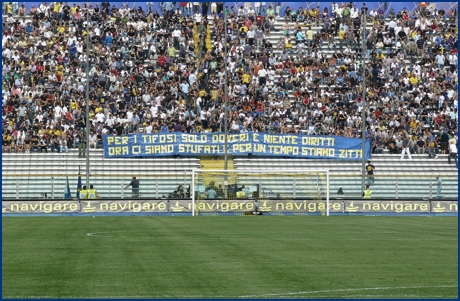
(67, 194)
(79, 183)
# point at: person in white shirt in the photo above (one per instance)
(48, 34)
(453, 152)
(392, 26)
(453, 58)
(198, 105)
(338, 11)
(373, 13)
(197, 17)
(262, 75)
(176, 35)
(192, 79)
(354, 13)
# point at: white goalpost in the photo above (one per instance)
(276, 192)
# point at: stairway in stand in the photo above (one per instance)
(208, 38)
(195, 39)
(215, 163)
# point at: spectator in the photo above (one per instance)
(134, 186)
(370, 173)
(453, 152)
(405, 147)
(439, 187)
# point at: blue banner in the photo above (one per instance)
(212, 144)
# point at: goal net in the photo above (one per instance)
(275, 192)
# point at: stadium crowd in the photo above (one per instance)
(163, 71)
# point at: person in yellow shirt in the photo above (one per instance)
(59, 68)
(92, 193)
(41, 132)
(73, 105)
(367, 193)
(73, 9)
(240, 194)
(61, 29)
(313, 12)
(10, 8)
(341, 37)
(413, 80)
(56, 8)
(244, 28)
(6, 143)
(246, 78)
(441, 48)
(83, 193)
(412, 125)
(214, 93)
(98, 109)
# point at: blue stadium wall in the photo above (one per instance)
(398, 6)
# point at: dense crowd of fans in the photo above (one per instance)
(164, 71)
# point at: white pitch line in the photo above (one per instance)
(348, 290)
(96, 234)
(255, 296)
(203, 297)
(101, 234)
(397, 296)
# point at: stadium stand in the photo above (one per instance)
(163, 71)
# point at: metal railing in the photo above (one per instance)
(397, 186)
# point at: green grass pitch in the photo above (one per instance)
(230, 257)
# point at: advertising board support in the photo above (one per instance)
(185, 182)
(17, 189)
(52, 187)
(327, 194)
(156, 187)
(192, 192)
(396, 192)
(431, 187)
(122, 191)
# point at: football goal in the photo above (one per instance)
(276, 192)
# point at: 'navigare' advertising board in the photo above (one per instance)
(224, 206)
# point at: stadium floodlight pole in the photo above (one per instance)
(363, 104)
(87, 96)
(225, 107)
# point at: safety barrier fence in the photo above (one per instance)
(162, 185)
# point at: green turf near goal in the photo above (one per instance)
(274, 191)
